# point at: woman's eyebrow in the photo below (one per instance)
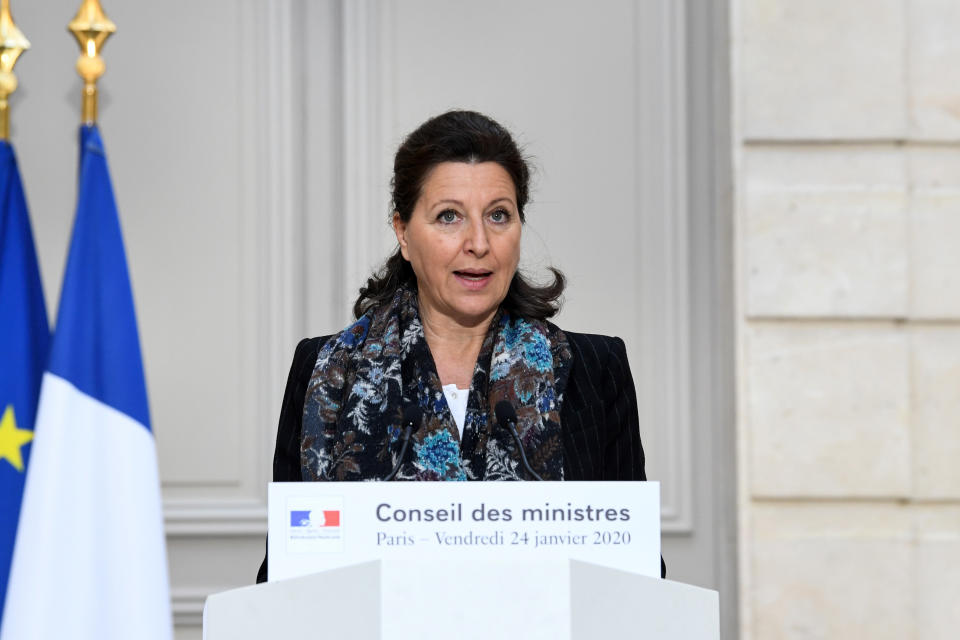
(460, 204)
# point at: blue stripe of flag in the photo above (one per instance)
(97, 347)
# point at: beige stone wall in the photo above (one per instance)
(847, 143)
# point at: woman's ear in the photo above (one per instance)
(400, 229)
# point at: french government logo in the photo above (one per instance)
(314, 525)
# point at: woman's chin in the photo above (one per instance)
(473, 312)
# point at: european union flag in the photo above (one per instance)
(24, 340)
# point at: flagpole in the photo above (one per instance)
(12, 44)
(91, 27)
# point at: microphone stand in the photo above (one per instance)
(412, 416)
(507, 416)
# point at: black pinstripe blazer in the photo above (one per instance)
(599, 421)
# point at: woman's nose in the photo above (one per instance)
(476, 241)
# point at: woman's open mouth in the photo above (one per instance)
(473, 279)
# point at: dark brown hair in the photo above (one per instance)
(458, 136)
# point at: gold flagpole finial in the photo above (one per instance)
(91, 27)
(12, 44)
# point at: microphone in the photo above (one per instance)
(412, 416)
(507, 418)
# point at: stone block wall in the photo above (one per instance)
(847, 173)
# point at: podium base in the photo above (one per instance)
(405, 599)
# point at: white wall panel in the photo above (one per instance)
(603, 116)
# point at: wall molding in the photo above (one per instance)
(713, 320)
(211, 518)
(279, 215)
(367, 124)
(664, 382)
(270, 313)
(187, 606)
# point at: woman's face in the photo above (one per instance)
(463, 241)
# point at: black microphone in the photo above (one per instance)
(507, 418)
(412, 416)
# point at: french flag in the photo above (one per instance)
(89, 559)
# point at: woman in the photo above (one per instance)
(450, 326)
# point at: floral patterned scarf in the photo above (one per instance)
(367, 374)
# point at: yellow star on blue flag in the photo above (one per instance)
(12, 439)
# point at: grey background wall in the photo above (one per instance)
(250, 145)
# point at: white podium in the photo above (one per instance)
(400, 599)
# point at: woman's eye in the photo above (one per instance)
(500, 215)
(449, 216)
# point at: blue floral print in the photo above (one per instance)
(365, 377)
(437, 451)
